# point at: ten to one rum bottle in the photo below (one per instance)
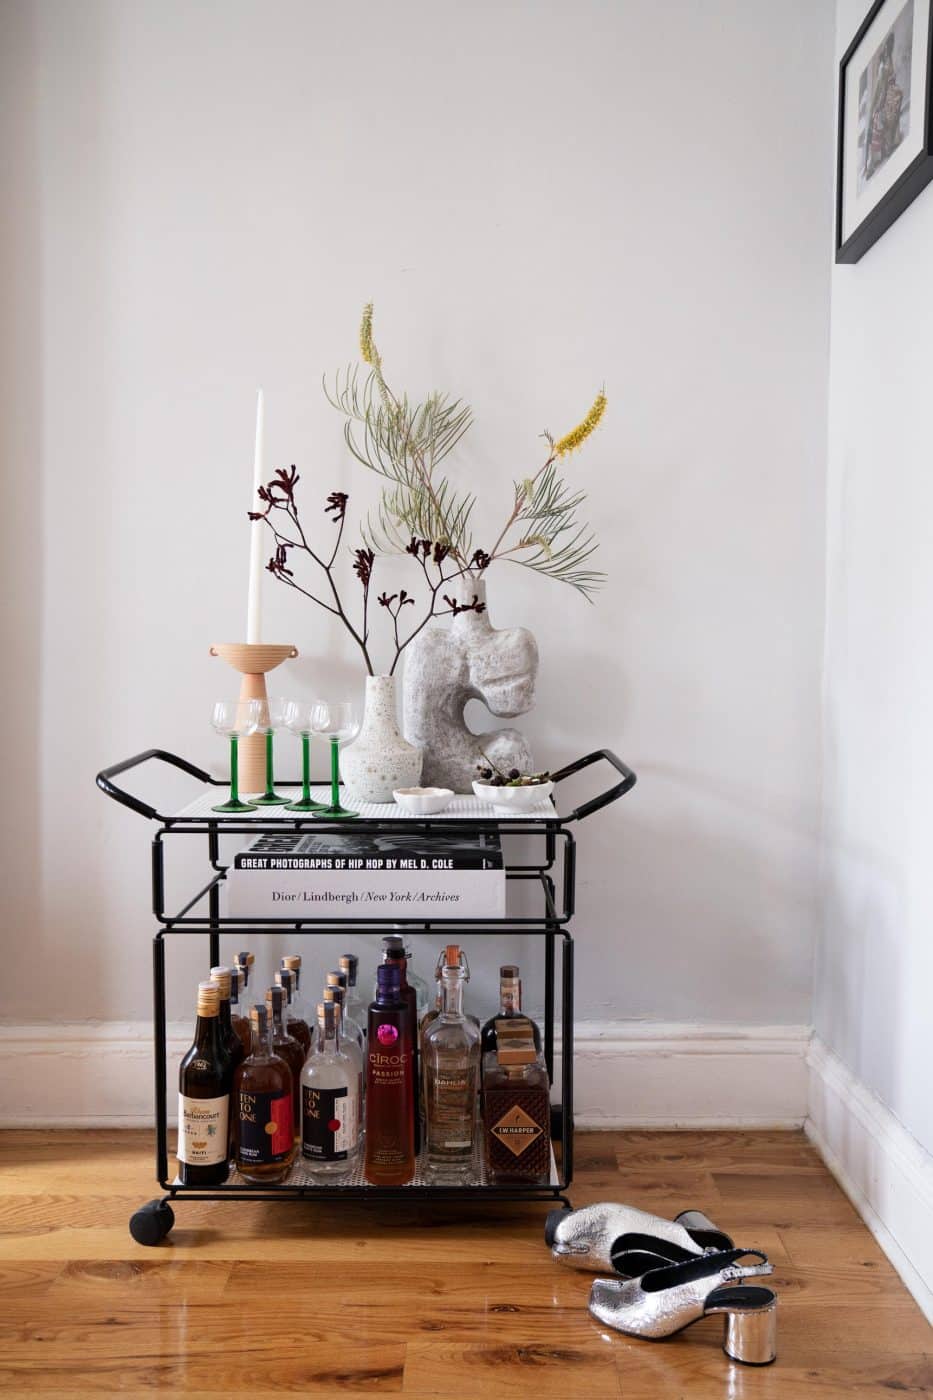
(296, 1024)
(510, 1008)
(286, 1047)
(334, 996)
(263, 1107)
(204, 1083)
(330, 1101)
(390, 1084)
(451, 1050)
(516, 1113)
(238, 1021)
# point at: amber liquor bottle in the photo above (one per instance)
(390, 1084)
(263, 1106)
(296, 1024)
(510, 1008)
(221, 977)
(204, 1082)
(286, 1047)
(516, 1114)
(238, 1021)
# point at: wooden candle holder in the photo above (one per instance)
(253, 660)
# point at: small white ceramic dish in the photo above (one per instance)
(514, 799)
(423, 802)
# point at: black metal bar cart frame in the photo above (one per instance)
(553, 872)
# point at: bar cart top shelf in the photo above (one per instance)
(464, 811)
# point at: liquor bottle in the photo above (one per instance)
(264, 1105)
(296, 1024)
(394, 955)
(239, 1022)
(451, 956)
(204, 1081)
(300, 1004)
(349, 963)
(244, 961)
(396, 940)
(510, 1007)
(351, 1025)
(390, 1084)
(516, 1113)
(287, 1048)
(451, 1077)
(221, 977)
(334, 996)
(330, 1101)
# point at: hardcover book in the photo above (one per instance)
(353, 875)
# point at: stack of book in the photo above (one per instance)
(361, 875)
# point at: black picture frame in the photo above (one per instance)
(911, 181)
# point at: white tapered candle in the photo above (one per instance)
(256, 529)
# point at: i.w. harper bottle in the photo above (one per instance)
(204, 1082)
(262, 1099)
(390, 1084)
(330, 1102)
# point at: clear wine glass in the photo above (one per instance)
(338, 722)
(298, 715)
(236, 720)
(271, 717)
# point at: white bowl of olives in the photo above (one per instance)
(512, 791)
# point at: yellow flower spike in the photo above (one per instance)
(578, 435)
(367, 345)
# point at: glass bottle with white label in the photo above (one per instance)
(330, 1102)
(348, 1041)
(204, 1082)
(451, 1079)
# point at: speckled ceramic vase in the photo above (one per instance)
(379, 760)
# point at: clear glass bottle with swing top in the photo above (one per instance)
(451, 1077)
(331, 1111)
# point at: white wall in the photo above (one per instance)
(539, 197)
(875, 961)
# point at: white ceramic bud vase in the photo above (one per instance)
(379, 760)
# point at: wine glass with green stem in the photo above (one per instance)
(235, 720)
(338, 722)
(271, 717)
(298, 717)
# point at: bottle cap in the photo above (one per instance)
(286, 980)
(337, 979)
(274, 999)
(452, 956)
(349, 963)
(335, 994)
(508, 973)
(235, 975)
(292, 962)
(245, 961)
(328, 1015)
(393, 947)
(208, 999)
(221, 977)
(259, 1019)
(389, 982)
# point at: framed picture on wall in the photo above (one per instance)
(884, 153)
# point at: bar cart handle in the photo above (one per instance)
(612, 794)
(106, 784)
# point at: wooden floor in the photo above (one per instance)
(259, 1299)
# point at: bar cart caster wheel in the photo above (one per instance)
(152, 1222)
(551, 1224)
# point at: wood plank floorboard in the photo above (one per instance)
(269, 1299)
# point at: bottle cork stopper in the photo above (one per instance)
(508, 973)
(221, 977)
(349, 963)
(453, 955)
(336, 979)
(274, 999)
(334, 993)
(286, 980)
(244, 962)
(258, 1018)
(208, 999)
(291, 961)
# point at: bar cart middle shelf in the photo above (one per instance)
(548, 865)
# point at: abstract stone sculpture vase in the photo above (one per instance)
(470, 660)
(379, 760)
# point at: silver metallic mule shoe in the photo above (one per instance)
(626, 1240)
(667, 1300)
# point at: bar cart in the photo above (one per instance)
(550, 871)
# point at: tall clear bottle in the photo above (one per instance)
(349, 1043)
(390, 1084)
(351, 1024)
(263, 1100)
(296, 1024)
(349, 964)
(302, 1006)
(330, 1102)
(245, 961)
(451, 1076)
(510, 1008)
(205, 1078)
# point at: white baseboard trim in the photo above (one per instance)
(626, 1074)
(883, 1170)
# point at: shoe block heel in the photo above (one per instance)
(750, 1317)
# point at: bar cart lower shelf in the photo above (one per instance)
(551, 871)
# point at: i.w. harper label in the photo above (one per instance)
(329, 1124)
(265, 1127)
(202, 1130)
(516, 1130)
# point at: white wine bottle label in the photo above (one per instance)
(330, 1124)
(202, 1130)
